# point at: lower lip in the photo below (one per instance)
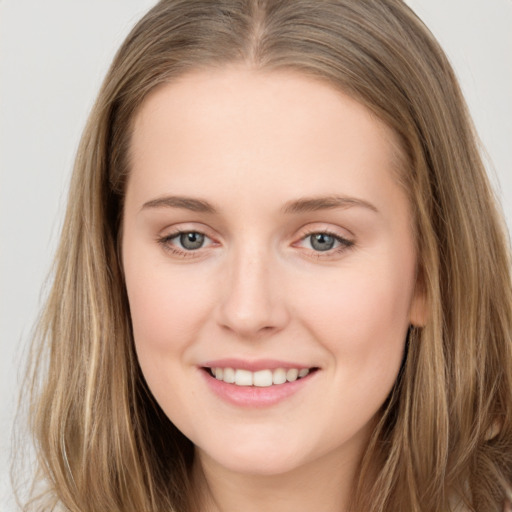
(254, 396)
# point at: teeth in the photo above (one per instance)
(279, 376)
(292, 374)
(243, 378)
(229, 375)
(261, 378)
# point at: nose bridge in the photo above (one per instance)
(251, 302)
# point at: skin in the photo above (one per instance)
(249, 143)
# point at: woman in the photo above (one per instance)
(282, 280)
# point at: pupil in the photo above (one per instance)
(322, 242)
(191, 241)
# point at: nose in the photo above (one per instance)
(253, 301)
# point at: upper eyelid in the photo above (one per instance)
(344, 243)
(328, 233)
(326, 227)
(185, 227)
(301, 233)
(304, 231)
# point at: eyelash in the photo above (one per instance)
(344, 244)
(164, 241)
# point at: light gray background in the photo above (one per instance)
(53, 55)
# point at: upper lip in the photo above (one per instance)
(253, 366)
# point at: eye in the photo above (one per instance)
(184, 242)
(191, 240)
(324, 241)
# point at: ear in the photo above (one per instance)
(419, 313)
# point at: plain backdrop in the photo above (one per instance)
(53, 55)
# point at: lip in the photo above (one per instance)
(252, 396)
(253, 366)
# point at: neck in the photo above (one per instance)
(324, 484)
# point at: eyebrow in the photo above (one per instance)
(186, 203)
(303, 205)
(313, 204)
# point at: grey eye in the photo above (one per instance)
(191, 240)
(322, 241)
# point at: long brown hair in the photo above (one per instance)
(445, 433)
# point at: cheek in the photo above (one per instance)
(362, 311)
(167, 312)
(167, 306)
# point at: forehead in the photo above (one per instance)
(245, 95)
(255, 129)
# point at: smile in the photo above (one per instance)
(262, 378)
(257, 383)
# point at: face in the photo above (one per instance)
(270, 266)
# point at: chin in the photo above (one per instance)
(258, 465)
(263, 459)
